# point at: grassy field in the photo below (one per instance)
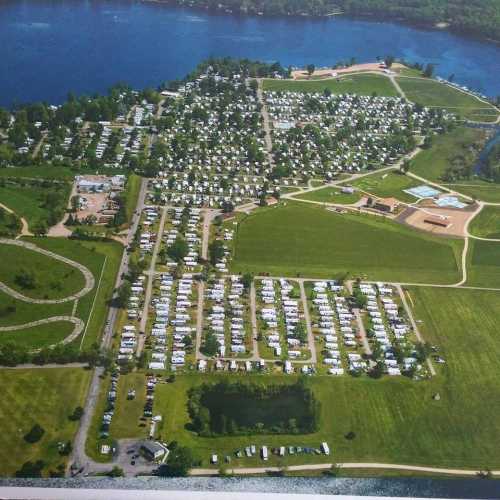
(28, 201)
(486, 224)
(53, 279)
(45, 172)
(10, 225)
(352, 84)
(40, 336)
(483, 264)
(431, 163)
(131, 193)
(478, 189)
(46, 397)
(432, 93)
(103, 260)
(394, 419)
(388, 184)
(330, 195)
(313, 242)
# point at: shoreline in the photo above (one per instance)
(444, 26)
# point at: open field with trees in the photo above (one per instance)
(486, 224)
(36, 275)
(478, 189)
(432, 93)
(362, 84)
(41, 204)
(393, 419)
(310, 241)
(38, 397)
(388, 184)
(10, 225)
(458, 148)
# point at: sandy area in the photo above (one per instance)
(454, 217)
(301, 74)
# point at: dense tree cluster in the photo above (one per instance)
(236, 408)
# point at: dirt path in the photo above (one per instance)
(24, 229)
(361, 325)
(310, 335)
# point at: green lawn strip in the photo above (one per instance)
(52, 279)
(362, 84)
(433, 93)
(131, 194)
(431, 163)
(388, 184)
(43, 172)
(39, 336)
(45, 397)
(91, 254)
(483, 267)
(313, 242)
(330, 195)
(126, 423)
(18, 312)
(486, 224)
(27, 201)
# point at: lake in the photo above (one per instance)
(49, 48)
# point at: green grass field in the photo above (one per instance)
(431, 163)
(102, 258)
(483, 264)
(353, 84)
(46, 397)
(388, 184)
(478, 189)
(486, 224)
(395, 420)
(38, 337)
(313, 242)
(131, 194)
(330, 195)
(433, 93)
(53, 279)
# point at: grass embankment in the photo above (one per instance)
(388, 184)
(483, 266)
(45, 397)
(432, 93)
(313, 242)
(330, 195)
(131, 194)
(362, 84)
(44, 172)
(486, 224)
(395, 420)
(38, 276)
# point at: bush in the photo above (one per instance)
(35, 434)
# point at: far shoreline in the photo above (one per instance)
(426, 26)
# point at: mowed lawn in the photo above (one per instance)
(486, 224)
(395, 420)
(299, 239)
(53, 279)
(362, 84)
(479, 189)
(432, 93)
(432, 163)
(39, 336)
(388, 184)
(38, 396)
(483, 266)
(330, 195)
(42, 172)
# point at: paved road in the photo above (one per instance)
(79, 456)
(265, 120)
(253, 320)
(310, 337)
(89, 277)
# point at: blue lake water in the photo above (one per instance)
(48, 48)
